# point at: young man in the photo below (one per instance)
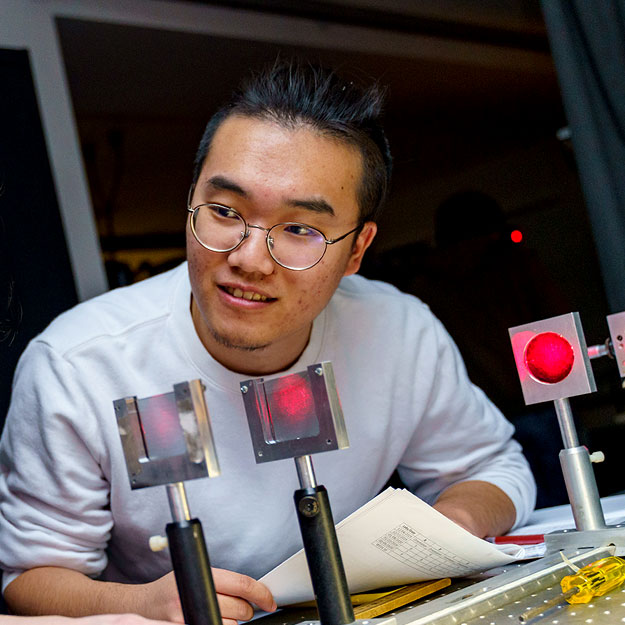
(288, 181)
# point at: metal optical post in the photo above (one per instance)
(292, 417)
(578, 473)
(167, 439)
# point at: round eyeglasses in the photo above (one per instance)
(292, 245)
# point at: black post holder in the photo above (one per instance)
(193, 573)
(323, 556)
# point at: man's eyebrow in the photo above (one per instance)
(318, 206)
(312, 204)
(225, 184)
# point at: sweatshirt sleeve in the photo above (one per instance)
(54, 497)
(462, 435)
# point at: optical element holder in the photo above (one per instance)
(167, 439)
(292, 417)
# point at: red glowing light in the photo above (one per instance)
(291, 408)
(549, 357)
(516, 236)
(293, 397)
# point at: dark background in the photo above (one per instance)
(36, 282)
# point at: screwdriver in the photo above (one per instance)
(594, 580)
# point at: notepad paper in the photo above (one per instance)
(394, 539)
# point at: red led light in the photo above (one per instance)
(516, 236)
(549, 357)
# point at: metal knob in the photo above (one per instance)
(597, 456)
(158, 543)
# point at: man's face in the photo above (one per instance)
(271, 174)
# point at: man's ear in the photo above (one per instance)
(364, 240)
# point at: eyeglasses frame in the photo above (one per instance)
(191, 210)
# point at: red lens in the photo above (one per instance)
(549, 357)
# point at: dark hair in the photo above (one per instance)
(295, 93)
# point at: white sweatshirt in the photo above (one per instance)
(65, 498)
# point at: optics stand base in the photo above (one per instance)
(583, 493)
(499, 599)
(587, 539)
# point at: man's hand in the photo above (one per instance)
(480, 507)
(235, 593)
(54, 590)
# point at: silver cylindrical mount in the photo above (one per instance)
(598, 351)
(567, 424)
(305, 472)
(581, 487)
(178, 503)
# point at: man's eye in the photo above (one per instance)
(225, 212)
(301, 230)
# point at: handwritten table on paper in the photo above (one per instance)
(421, 553)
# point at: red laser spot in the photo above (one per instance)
(293, 398)
(549, 357)
(516, 236)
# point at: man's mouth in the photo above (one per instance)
(248, 295)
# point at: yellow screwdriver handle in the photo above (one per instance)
(595, 579)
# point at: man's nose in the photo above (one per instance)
(252, 255)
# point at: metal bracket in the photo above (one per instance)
(573, 539)
(167, 438)
(294, 415)
(616, 325)
(578, 382)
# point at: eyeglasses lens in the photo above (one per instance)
(218, 228)
(297, 246)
